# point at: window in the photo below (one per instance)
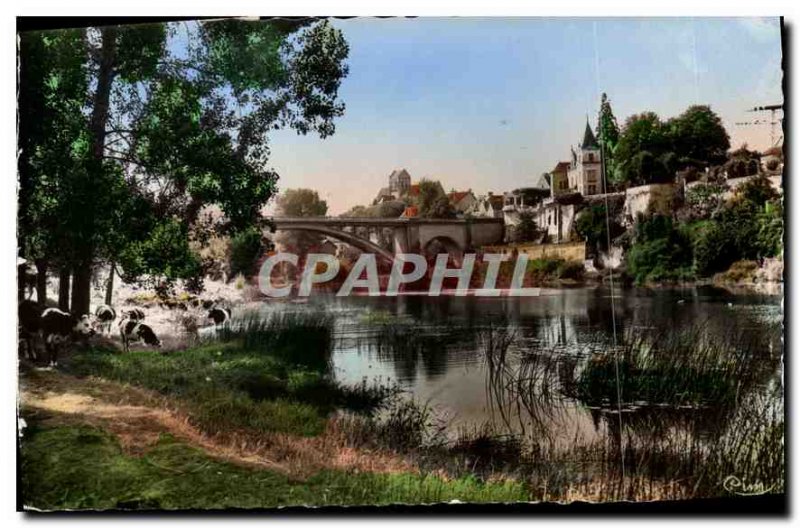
(591, 157)
(591, 189)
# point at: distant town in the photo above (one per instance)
(587, 207)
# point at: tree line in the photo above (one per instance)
(648, 149)
(126, 134)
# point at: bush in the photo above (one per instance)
(740, 271)
(743, 230)
(592, 225)
(659, 252)
(246, 248)
(770, 229)
(703, 199)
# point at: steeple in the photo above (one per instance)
(589, 141)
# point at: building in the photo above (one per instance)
(584, 173)
(489, 206)
(559, 179)
(462, 201)
(399, 182)
(399, 186)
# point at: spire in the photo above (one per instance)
(589, 141)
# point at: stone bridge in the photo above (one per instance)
(389, 236)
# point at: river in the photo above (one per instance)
(434, 348)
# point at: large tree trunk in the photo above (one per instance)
(82, 283)
(82, 290)
(41, 282)
(64, 277)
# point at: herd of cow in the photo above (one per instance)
(57, 328)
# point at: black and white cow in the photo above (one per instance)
(29, 314)
(132, 331)
(136, 314)
(105, 315)
(59, 327)
(219, 315)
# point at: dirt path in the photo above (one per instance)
(138, 417)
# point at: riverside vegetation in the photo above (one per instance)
(266, 382)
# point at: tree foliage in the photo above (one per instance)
(651, 151)
(748, 227)
(642, 152)
(607, 133)
(432, 201)
(302, 203)
(593, 225)
(157, 121)
(660, 251)
(698, 137)
(246, 249)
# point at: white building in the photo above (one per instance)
(584, 174)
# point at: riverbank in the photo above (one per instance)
(260, 402)
(97, 445)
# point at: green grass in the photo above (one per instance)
(84, 468)
(260, 376)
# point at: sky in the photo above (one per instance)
(489, 104)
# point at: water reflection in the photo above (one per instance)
(435, 348)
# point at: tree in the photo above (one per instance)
(651, 151)
(641, 152)
(52, 86)
(593, 225)
(301, 202)
(432, 201)
(698, 136)
(526, 229)
(178, 115)
(246, 249)
(607, 133)
(659, 251)
(746, 228)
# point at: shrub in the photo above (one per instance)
(246, 249)
(703, 199)
(745, 229)
(740, 271)
(592, 225)
(659, 252)
(770, 229)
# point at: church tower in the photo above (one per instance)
(399, 182)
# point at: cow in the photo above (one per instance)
(105, 315)
(59, 327)
(29, 314)
(219, 315)
(133, 331)
(136, 314)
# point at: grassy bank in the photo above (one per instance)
(259, 376)
(84, 468)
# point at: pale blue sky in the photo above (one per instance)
(489, 104)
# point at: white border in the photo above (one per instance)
(340, 7)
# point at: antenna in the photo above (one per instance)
(610, 275)
(772, 122)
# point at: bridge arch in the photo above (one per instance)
(343, 236)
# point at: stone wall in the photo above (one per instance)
(575, 251)
(654, 198)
